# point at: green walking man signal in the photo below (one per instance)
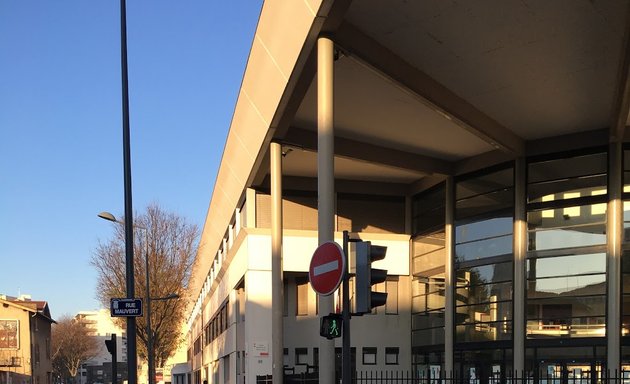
(331, 325)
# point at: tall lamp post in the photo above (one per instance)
(132, 357)
(150, 352)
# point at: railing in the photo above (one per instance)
(13, 361)
(420, 377)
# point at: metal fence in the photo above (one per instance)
(413, 377)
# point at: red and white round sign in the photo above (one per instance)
(327, 266)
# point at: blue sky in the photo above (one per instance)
(61, 132)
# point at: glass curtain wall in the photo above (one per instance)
(484, 216)
(428, 287)
(566, 264)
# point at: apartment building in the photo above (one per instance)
(25, 327)
(102, 327)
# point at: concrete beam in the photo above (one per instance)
(371, 153)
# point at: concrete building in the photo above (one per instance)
(25, 327)
(484, 143)
(102, 326)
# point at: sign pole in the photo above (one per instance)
(346, 349)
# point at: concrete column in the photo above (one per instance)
(520, 260)
(325, 186)
(277, 301)
(449, 278)
(614, 234)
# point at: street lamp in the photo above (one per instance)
(150, 353)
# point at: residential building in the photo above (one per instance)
(102, 326)
(25, 327)
(484, 143)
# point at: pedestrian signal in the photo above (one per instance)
(330, 326)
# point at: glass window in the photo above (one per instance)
(428, 295)
(566, 317)
(496, 201)
(486, 293)
(482, 249)
(484, 331)
(581, 176)
(428, 210)
(369, 356)
(9, 334)
(301, 355)
(568, 286)
(566, 227)
(301, 285)
(484, 229)
(484, 184)
(567, 265)
(566, 189)
(485, 274)
(567, 276)
(568, 167)
(391, 355)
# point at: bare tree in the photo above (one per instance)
(169, 242)
(72, 345)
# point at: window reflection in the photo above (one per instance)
(484, 248)
(566, 227)
(566, 296)
(492, 273)
(563, 317)
(484, 229)
(591, 185)
(567, 265)
(484, 226)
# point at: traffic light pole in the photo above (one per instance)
(346, 350)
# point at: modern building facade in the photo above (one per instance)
(25, 327)
(484, 143)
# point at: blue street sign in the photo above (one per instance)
(125, 307)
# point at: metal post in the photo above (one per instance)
(132, 362)
(277, 285)
(150, 353)
(325, 186)
(346, 372)
(520, 259)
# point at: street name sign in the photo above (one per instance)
(327, 266)
(125, 307)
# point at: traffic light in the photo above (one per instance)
(111, 347)
(366, 277)
(331, 325)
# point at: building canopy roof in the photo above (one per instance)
(423, 89)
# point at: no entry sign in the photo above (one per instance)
(327, 266)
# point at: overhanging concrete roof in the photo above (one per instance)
(422, 88)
